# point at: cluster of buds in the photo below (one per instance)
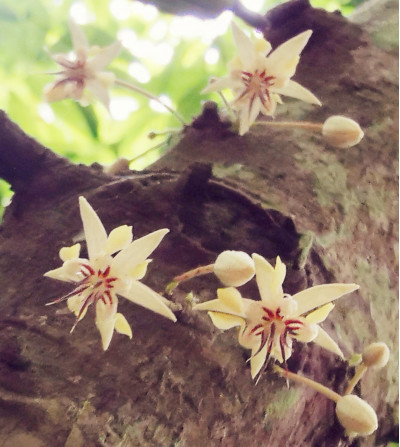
(356, 416)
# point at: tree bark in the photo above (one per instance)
(331, 214)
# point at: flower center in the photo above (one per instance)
(275, 330)
(95, 285)
(257, 84)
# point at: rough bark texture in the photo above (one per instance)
(329, 213)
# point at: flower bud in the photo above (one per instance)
(376, 355)
(234, 268)
(356, 416)
(341, 131)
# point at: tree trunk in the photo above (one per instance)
(331, 214)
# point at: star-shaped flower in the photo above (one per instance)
(106, 274)
(83, 70)
(258, 76)
(268, 326)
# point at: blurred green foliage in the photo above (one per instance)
(166, 53)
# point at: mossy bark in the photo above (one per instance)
(330, 214)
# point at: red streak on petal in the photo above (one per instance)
(257, 326)
(268, 312)
(88, 268)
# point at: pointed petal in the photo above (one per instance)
(79, 41)
(140, 270)
(118, 239)
(244, 45)
(255, 108)
(307, 332)
(244, 121)
(95, 234)
(97, 89)
(215, 306)
(325, 340)
(269, 280)
(74, 305)
(105, 321)
(138, 251)
(122, 326)
(319, 295)
(225, 321)
(62, 89)
(69, 271)
(258, 360)
(105, 56)
(144, 296)
(283, 60)
(218, 84)
(232, 298)
(319, 315)
(295, 90)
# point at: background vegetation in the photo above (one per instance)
(172, 57)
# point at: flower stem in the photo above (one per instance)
(298, 124)
(203, 270)
(147, 151)
(150, 96)
(300, 379)
(360, 371)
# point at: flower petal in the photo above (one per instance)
(79, 41)
(139, 271)
(118, 239)
(95, 234)
(258, 360)
(74, 305)
(319, 315)
(105, 321)
(295, 90)
(122, 326)
(325, 340)
(69, 253)
(144, 296)
(225, 321)
(319, 295)
(138, 251)
(104, 56)
(269, 280)
(62, 89)
(69, 272)
(245, 46)
(218, 84)
(97, 89)
(229, 302)
(283, 60)
(307, 333)
(232, 298)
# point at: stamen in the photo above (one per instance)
(76, 291)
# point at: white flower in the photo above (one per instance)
(356, 416)
(101, 277)
(234, 268)
(268, 326)
(83, 70)
(258, 76)
(341, 131)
